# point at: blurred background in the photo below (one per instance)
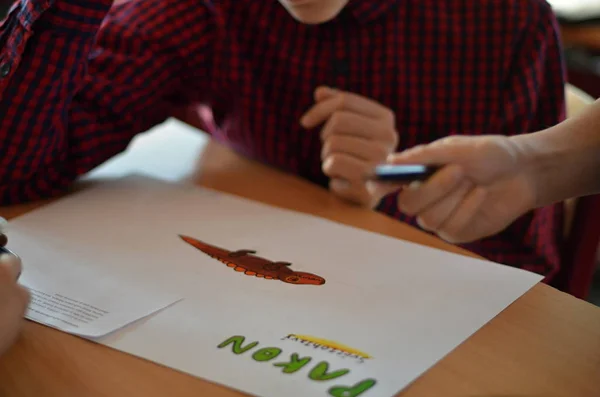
(580, 28)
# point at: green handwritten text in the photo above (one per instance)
(356, 390)
(237, 344)
(294, 364)
(320, 372)
(266, 354)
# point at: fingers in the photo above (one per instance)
(352, 124)
(10, 264)
(347, 181)
(323, 92)
(447, 150)
(321, 111)
(342, 166)
(10, 267)
(451, 218)
(13, 307)
(358, 133)
(354, 192)
(434, 217)
(379, 190)
(362, 149)
(457, 228)
(24, 297)
(417, 197)
(328, 101)
(15, 298)
(362, 105)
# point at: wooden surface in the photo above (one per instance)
(583, 36)
(545, 344)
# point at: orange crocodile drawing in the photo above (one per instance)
(251, 265)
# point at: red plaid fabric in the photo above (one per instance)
(79, 79)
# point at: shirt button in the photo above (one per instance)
(341, 67)
(4, 69)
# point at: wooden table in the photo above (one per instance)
(582, 36)
(545, 344)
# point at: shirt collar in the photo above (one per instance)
(368, 10)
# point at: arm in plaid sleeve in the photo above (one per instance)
(533, 100)
(80, 79)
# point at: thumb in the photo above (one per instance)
(444, 151)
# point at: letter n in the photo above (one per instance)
(237, 344)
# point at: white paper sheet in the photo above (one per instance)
(76, 295)
(64, 298)
(387, 312)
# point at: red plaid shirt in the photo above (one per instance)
(78, 79)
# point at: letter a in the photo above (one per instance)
(319, 372)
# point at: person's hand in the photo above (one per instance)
(483, 186)
(14, 299)
(358, 134)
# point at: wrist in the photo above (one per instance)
(538, 163)
(560, 163)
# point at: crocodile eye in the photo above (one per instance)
(292, 279)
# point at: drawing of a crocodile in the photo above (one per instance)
(251, 265)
